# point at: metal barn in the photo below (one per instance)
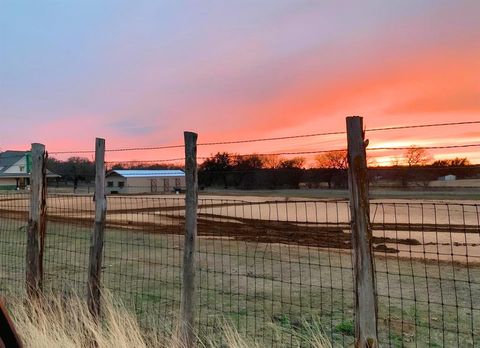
(144, 181)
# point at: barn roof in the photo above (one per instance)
(146, 173)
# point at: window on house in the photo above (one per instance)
(177, 182)
(22, 168)
(110, 184)
(121, 184)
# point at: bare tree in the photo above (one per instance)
(334, 165)
(415, 156)
(332, 160)
(272, 161)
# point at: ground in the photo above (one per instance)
(269, 266)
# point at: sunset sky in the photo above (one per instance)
(139, 73)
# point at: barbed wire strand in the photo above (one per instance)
(423, 147)
(161, 147)
(423, 126)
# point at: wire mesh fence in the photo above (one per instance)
(428, 274)
(272, 267)
(13, 240)
(268, 267)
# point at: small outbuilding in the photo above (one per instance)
(144, 181)
(449, 177)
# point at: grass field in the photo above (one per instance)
(269, 266)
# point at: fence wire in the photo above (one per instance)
(13, 241)
(428, 274)
(271, 268)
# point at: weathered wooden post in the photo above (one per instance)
(36, 220)
(191, 204)
(96, 246)
(364, 273)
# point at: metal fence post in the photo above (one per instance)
(96, 246)
(364, 273)
(36, 221)
(191, 204)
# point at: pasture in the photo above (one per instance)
(268, 264)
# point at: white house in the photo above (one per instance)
(15, 167)
(144, 181)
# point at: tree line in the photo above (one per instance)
(415, 167)
(257, 171)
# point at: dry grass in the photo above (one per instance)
(55, 321)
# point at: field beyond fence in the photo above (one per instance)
(393, 268)
(267, 266)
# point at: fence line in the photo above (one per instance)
(271, 267)
(268, 265)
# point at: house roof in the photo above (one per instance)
(9, 158)
(146, 173)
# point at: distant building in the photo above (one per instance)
(449, 177)
(15, 167)
(144, 181)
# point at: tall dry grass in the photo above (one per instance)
(55, 321)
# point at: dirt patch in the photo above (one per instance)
(409, 229)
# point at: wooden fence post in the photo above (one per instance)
(36, 221)
(364, 273)
(96, 245)
(191, 204)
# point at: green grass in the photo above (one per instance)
(258, 287)
(346, 328)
